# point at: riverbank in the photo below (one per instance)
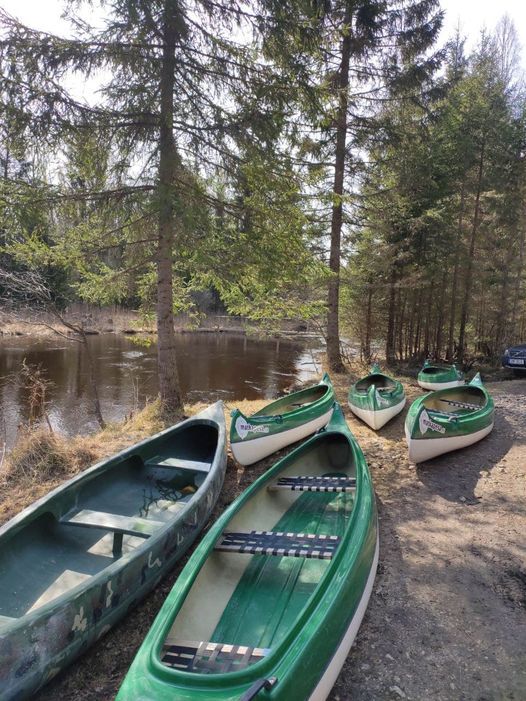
(447, 617)
(95, 321)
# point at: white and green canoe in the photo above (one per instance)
(270, 602)
(433, 377)
(448, 419)
(285, 421)
(376, 398)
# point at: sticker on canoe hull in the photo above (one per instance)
(243, 428)
(424, 423)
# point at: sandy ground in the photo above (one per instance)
(447, 618)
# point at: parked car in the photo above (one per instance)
(515, 357)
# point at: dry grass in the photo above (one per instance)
(41, 460)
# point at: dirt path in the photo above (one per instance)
(447, 619)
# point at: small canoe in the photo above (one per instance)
(73, 563)
(285, 421)
(275, 592)
(434, 377)
(448, 419)
(376, 398)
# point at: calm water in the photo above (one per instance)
(211, 366)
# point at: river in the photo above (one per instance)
(211, 366)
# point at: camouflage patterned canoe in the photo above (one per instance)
(376, 398)
(281, 423)
(439, 376)
(75, 562)
(448, 419)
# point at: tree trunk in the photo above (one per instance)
(390, 341)
(440, 316)
(401, 320)
(518, 277)
(170, 393)
(366, 346)
(333, 331)
(469, 272)
(453, 309)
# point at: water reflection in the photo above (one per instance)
(211, 366)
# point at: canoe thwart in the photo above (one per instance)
(120, 525)
(191, 656)
(160, 461)
(462, 405)
(309, 483)
(309, 545)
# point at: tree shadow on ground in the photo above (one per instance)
(455, 476)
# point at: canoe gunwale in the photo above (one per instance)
(391, 386)
(278, 440)
(350, 550)
(282, 418)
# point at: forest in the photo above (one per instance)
(326, 161)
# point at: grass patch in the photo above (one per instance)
(42, 460)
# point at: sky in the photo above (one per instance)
(474, 15)
(471, 15)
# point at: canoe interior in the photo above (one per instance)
(294, 401)
(434, 369)
(380, 381)
(48, 555)
(253, 600)
(463, 400)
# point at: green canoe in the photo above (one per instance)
(439, 376)
(448, 419)
(281, 423)
(376, 398)
(274, 594)
(75, 562)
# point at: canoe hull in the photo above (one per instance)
(330, 675)
(448, 419)
(422, 449)
(259, 448)
(378, 417)
(282, 422)
(433, 386)
(435, 377)
(40, 644)
(376, 398)
(308, 656)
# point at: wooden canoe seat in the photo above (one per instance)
(309, 545)
(120, 525)
(160, 461)
(309, 483)
(192, 656)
